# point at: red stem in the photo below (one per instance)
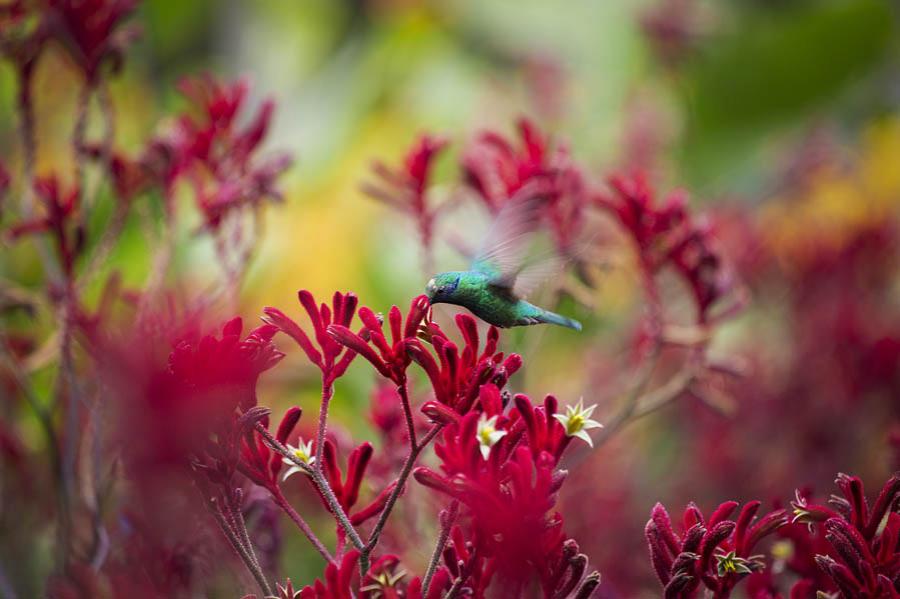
(407, 413)
(282, 502)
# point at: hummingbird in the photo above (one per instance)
(498, 280)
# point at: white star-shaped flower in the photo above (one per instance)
(302, 452)
(577, 421)
(487, 434)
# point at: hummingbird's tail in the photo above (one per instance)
(558, 319)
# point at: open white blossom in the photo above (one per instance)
(487, 434)
(577, 421)
(302, 452)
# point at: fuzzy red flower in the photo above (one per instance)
(496, 169)
(331, 357)
(667, 235)
(218, 157)
(406, 188)
(715, 552)
(457, 377)
(392, 358)
(258, 462)
(864, 560)
(346, 488)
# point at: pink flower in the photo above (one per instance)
(496, 169)
(346, 488)
(217, 157)
(406, 188)
(257, 460)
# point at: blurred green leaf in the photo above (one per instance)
(774, 69)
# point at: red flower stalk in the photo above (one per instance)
(864, 560)
(92, 32)
(338, 580)
(406, 188)
(667, 235)
(456, 378)
(346, 489)
(59, 221)
(392, 358)
(331, 357)
(496, 170)
(716, 552)
(219, 158)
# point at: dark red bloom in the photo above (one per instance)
(456, 378)
(864, 560)
(406, 188)
(440, 583)
(227, 367)
(331, 357)
(392, 358)
(715, 552)
(92, 31)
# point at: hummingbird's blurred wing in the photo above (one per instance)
(532, 276)
(503, 249)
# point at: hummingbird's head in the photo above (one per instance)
(442, 286)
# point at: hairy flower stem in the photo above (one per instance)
(626, 411)
(407, 413)
(448, 517)
(245, 553)
(288, 509)
(408, 465)
(321, 484)
(240, 525)
(327, 394)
